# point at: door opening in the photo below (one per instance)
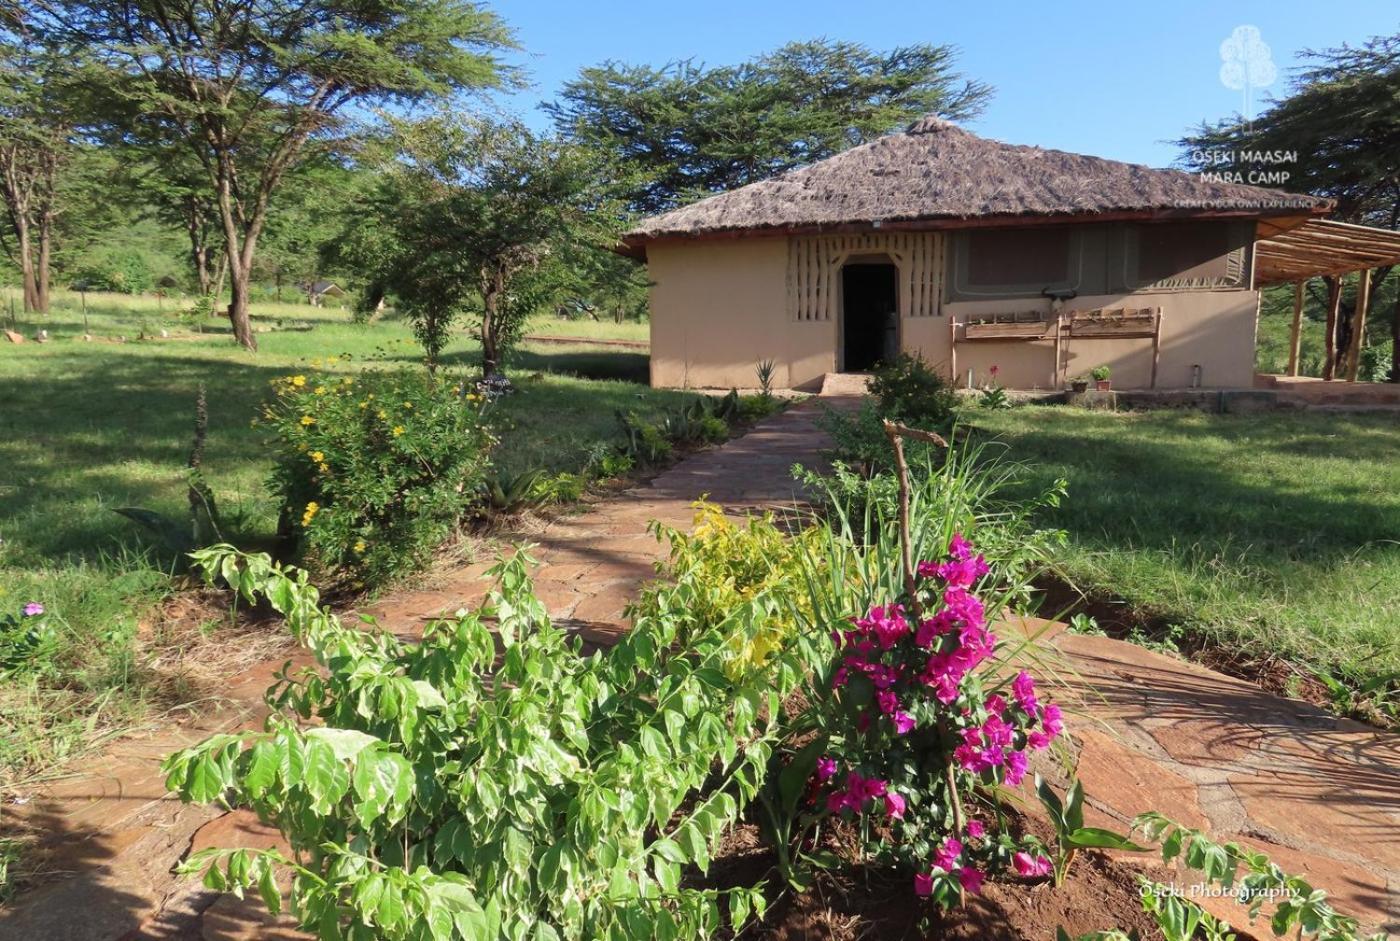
(870, 315)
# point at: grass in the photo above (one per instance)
(91, 426)
(1273, 534)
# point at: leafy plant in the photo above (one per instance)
(1100, 373)
(765, 371)
(28, 643)
(1071, 836)
(615, 464)
(907, 389)
(9, 855)
(1297, 905)
(508, 493)
(1179, 918)
(373, 472)
(491, 781)
(916, 715)
(994, 397)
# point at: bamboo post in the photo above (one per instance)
(1295, 339)
(953, 350)
(1334, 306)
(1358, 324)
(1156, 344)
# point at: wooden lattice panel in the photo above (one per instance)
(814, 271)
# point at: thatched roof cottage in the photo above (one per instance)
(974, 253)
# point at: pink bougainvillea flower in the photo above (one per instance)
(894, 804)
(958, 547)
(976, 829)
(1015, 768)
(33, 609)
(959, 573)
(946, 858)
(1052, 719)
(1030, 866)
(971, 880)
(996, 705)
(903, 723)
(1037, 740)
(964, 606)
(923, 883)
(1023, 690)
(997, 733)
(872, 788)
(887, 701)
(826, 768)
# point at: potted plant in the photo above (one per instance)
(1101, 375)
(1079, 384)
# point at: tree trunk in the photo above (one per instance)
(41, 285)
(24, 249)
(1395, 340)
(238, 313)
(199, 247)
(220, 276)
(490, 350)
(1334, 302)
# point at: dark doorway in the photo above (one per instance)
(870, 318)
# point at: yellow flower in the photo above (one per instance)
(408, 405)
(318, 456)
(325, 468)
(382, 414)
(298, 381)
(364, 405)
(331, 360)
(307, 420)
(315, 364)
(320, 390)
(359, 547)
(312, 509)
(398, 430)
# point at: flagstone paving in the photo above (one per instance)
(1320, 795)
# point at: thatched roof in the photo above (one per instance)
(937, 173)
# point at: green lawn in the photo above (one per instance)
(91, 426)
(1277, 534)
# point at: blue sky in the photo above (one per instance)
(1115, 79)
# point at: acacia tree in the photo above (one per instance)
(1342, 120)
(689, 130)
(37, 96)
(246, 84)
(467, 221)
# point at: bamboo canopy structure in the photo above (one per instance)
(1322, 247)
(1330, 250)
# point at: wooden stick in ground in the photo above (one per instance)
(897, 433)
(1295, 338)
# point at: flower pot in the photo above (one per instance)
(1103, 385)
(1080, 385)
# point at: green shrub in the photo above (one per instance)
(908, 390)
(374, 472)
(904, 390)
(492, 781)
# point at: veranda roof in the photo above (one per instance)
(937, 175)
(1322, 247)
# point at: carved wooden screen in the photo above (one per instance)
(814, 269)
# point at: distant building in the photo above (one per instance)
(975, 254)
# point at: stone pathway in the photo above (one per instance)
(118, 833)
(1320, 795)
